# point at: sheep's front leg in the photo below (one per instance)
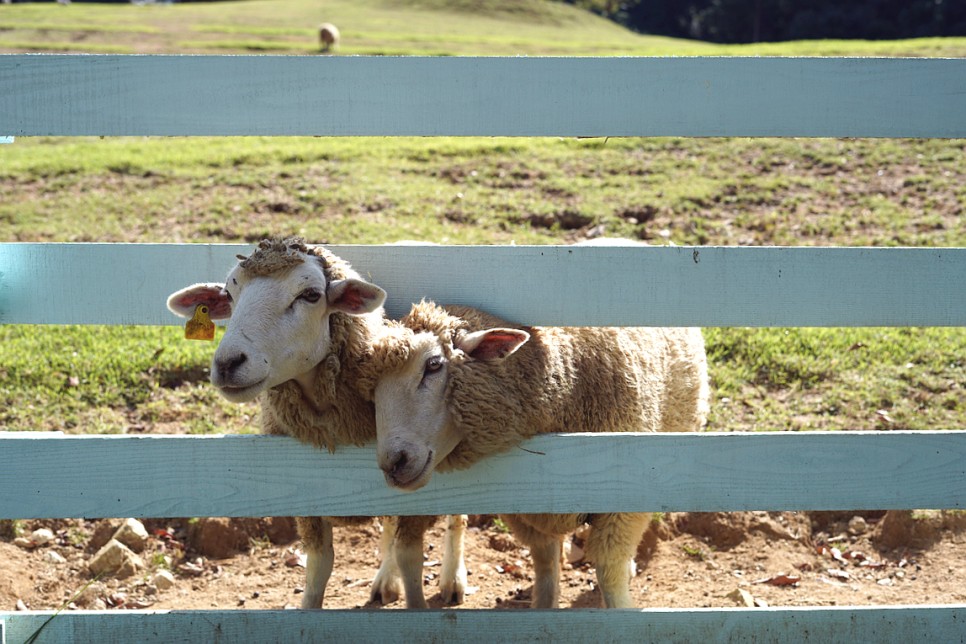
(611, 545)
(387, 587)
(409, 557)
(546, 553)
(614, 579)
(316, 533)
(452, 578)
(546, 550)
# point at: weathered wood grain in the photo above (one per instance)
(64, 94)
(899, 624)
(604, 286)
(161, 476)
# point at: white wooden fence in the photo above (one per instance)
(119, 476)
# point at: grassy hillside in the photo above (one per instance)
(381, 27)
(686, 191)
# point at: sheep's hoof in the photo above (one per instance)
(452, 597)
(452, 594)
(384, 593)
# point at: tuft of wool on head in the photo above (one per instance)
(388, 352)
(273, 255)
(278, 254)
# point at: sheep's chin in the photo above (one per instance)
(242, 394)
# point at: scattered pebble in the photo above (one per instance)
(163, 579)
(54, 557)
(742, 597)
(857, 525)
(115, 559)
(132, 534)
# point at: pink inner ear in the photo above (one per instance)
(495, 345)
(218, 305)
(356, 298)
(352, 299)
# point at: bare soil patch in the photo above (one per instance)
(685, 560)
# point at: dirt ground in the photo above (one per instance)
(685, 560)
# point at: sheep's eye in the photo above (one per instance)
(433, 365)
(310, 295)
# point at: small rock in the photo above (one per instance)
(21, 605)
(163, 579)
(89, 594)
(502, 542)
(115, 559)
(23, 542)
(742, 597)
(100, 604)
(103, 532)
(54, 557)
(132, 534)
(857, 525)
(41, 536)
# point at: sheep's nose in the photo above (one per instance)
(227, 365)
(394, 462)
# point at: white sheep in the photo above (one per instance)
(454, 385)
(328, 36)
(302, 324)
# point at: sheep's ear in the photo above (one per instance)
(212, 295)
(354, 296)
(492, 344)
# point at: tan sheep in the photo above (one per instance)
(302, 326)
(328, 37)
(454, 385)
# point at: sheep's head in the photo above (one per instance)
(279, 300)
(415, 370)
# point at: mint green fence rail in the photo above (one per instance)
(70, 476)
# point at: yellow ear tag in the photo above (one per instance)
(200, 326)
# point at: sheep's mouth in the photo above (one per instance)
(409, 482)
(242, 393)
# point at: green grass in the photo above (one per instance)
(384, 27)
(827, 379)
(97, 379)
(467, 190)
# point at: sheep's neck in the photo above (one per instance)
(307, 383)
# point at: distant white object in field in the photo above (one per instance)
(328, 36)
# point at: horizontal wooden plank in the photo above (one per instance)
(69, 94)
(899, 624)
(547, 285)
(170, 476)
